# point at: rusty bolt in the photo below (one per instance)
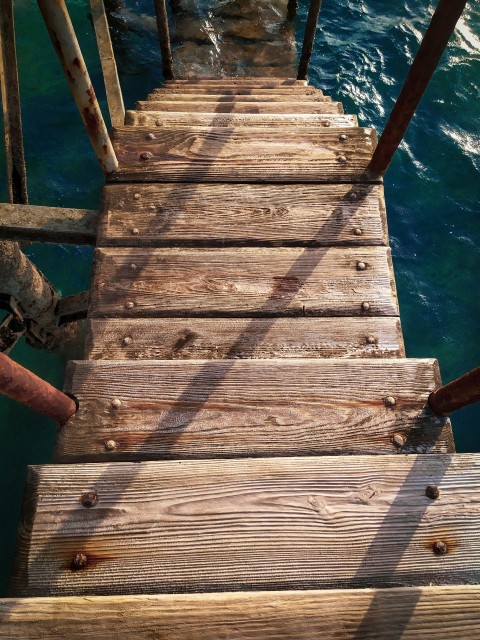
(390, 401)
(440, 548)
(79, 561)
(126, 341)
(145, 155)
(353, 195)
(150, 136)
(110, 445)
(115, 403)
(342, 137)
(432, 492)
(129, 305)
(89, 499)
(361, 266)
(137, 196)
(326, 123)
(357, 231)
(342, 159)
(365, 306)
(371, 340)
(135, 231)
(398, 440)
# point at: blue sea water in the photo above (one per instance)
(362, 54)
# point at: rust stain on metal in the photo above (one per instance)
(92, 98)
(92, 121)
(77, 63)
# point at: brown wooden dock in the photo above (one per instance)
(237, 466)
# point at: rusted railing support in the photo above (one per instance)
(433, 45)
(164, 38)
(456, 394)
(309, 38)
(12, 116)
(292, 9)
(25, 387)
(64, 40)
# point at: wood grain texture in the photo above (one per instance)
(233, 98)
(217, 338)
(222, 215)
(216, 154)
(238, 408)
(267, 82)
(179, 119)
(238, 90)
(409, 613)
(258, 524)
(242, 282)
(241, 107)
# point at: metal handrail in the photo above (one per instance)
(456, 394)
(309, 38)
(164, 38)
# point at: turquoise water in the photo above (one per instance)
(362, 54)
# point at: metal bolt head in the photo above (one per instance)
(79, 561)
(145, 155)
(440, 548)
(110, 445)
(353, 195)
(390, 401)
(326, 123)
(150, 136)
(365, 306)
(398, 440)
(137, 196)
(361, 266)
(342, 159)
(371, 340)
(342, 137)
(129, 305)
(126, 341)
(135, 231)
(432, 492)
(152, 207)
(115, 403)
(89, 499)
(133, 266)
(357, 231)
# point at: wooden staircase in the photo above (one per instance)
(244, 342)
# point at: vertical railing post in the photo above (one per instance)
(309, 38)
(64, 40)
(433, 45)
(292, 9)
(12, 116)
(164, 38)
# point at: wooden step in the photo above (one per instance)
(232, 408)
(179, 119)
(216, 154)
(304, 523)
(209, 90)
(266, 82)
(241, 107)
(218, 338)
(437, 613)
(228, 214)
(243, 282)
(233, 99)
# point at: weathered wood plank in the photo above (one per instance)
(234, 99)
(216, 338)
(216, 154)
(30, 223)
(186, 214)
(241, 107)
(439, 613)
(179, 119)
(243, 282)
(261, 524)
(238, 408)
(267, 82)
(239, 90)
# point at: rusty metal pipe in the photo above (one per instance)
(164, 38)
(292, 8)
(25, 387)
(456, 394)
(309, 38)
(433, 45)
(12, 115)
(64, 40)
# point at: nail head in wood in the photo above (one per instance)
(390, 401)
(440, 548)
(126, 341)
(89, 499)
(133, 266)
(342, 159)
(137, 196)
(129, 305)
(342, 137)
(432, 492)
(79, 561)
(361, 266)
(110, 445)
(150, 136)
(365, 306)
(398, 440)
(135, 231)
(357, 231)
(145, 155)
(371, 340)
(115, 403)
